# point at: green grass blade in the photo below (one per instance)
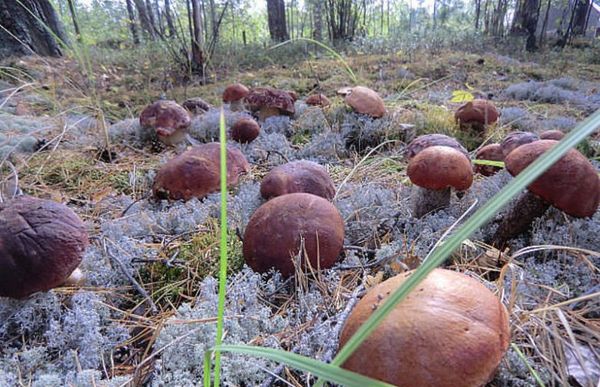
(531, 370)
(326, 48)
(222, 247)
(499, 164)
(206, 376)
(322, 370)
(482, 216)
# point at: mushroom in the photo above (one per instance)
(514, 140)
(168, 119)
(244, 130)
(297, 176)
(317, 100)
(476, 114)
(427, 140)
(268, 102)
(196, 105)
(364, 101)
(450, 331)
(491, 152)
(571, 185)
(552, 135)
(280, 228)
(41, 244)
(195, 173)
(234, 95)
(435, 170)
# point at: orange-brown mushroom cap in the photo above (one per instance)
(269, 98)
(491, 152)
(195, 173)
(235, 92)
(450, 331)
(165, 117)
(477, 113)
(297, 176)
(440, 167)
(571, 184)
(513, 140)
(276, 230)
(433, 139)
(244, 130)
(365, 101)
(317, 100)
(554, 134)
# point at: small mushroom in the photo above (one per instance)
(196, 105)
(552, 135)
(234, 95)
(280, 228)
(476, 114)
(195, 173)
(427, 140)
(318, 100)
(435, 170)
(571, 185)
(450, 331)
(297, 176)
(364, 101)
(245, 130)
(491, 152)
(268, 102)
(514, 140)
(168, 119)
(41, 244)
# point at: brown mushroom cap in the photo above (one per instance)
(235, 92)
(167, 118)
(244, 130)
(266, 97)
(571, 184)
(365, 101)
(195, 173)
(196, 105)
(552, 135)
(492, 152)
(277, 228)
(514, 140)
(477, 114)
(427, 140)
(440, 167)
(297, 176)
(450, 331)
(317, 100)
(41, 243)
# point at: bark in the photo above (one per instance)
(545, 23)
(276, 18)
(144, 18)
(74, 18)
(477, 13)
(342, 17)
(526, 21)
(132, 23)
(169, 17)
(26, 33)
(581, 12)
(197, 39)
(318, 20)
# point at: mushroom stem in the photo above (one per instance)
(429, 200)
(518, 219)
(267, 112)
(237, 106)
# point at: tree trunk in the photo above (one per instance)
(526, 21)
(169, 17)
(477, 13)
(276, 16)
(318, 20)
(197, 39)
(581, 12)
(74, 18)
(144, 18)
(30, 33)
(545, 23)
(132, 23)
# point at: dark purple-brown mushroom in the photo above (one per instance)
(490, 152)
(476, 114)
(554, 134)
(297, 176)
(196, 105)
(427, 140)
(571, 185)
(234, 95)
(280, 228)
(317, 100)
(267, 102)
(41, 244)
(245, 130)
(435, 170)
(514, 140)
(195, 173)
(168, 119)
(364, 101)
(451, 331)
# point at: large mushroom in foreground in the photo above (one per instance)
(169, 120)
(195, 173)
(291, 225)
(571, 185)
(450, 331)
(41, 244)
(298, 176)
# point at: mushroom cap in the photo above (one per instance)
(491, 152)
(427, 140)
(450, 331)
(552, 135)
(41, 243)
(515, 139)
(195, 173)
(235, 92)
(440, 167)
(266, 97)
(196, 105)
(244, 130)
(276, 230)
(365, 101)
(317, 100)
(297, 176)
(571, 184)
(165, 117)
(477, 113)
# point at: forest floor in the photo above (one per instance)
(76, 139)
